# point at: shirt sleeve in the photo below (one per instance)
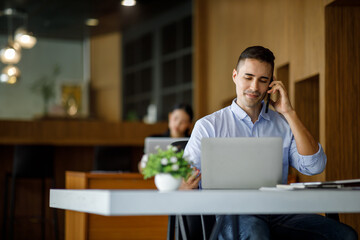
(192, 151)
(307, 164)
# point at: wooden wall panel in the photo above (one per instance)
(342, 20)
(200, 57)
(77, 132)
(283, 75)
(307, 108)
(307, 104)
(343, 87)
(106, 76)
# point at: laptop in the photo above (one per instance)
(241, 163)
(151, 143)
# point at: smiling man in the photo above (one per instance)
(247, 117)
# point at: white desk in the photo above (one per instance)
(152, 202)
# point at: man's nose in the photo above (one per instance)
(254, 85)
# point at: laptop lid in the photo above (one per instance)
(241, 163)
(152, 142)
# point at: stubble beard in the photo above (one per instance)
(252, 102)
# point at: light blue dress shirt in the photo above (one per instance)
(232, 121)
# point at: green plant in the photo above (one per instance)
(166, 161)
(45, 85)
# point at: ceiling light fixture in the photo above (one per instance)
(10, 74)
(25, 38)
(128, 3)
(10, 54)
(92, 22)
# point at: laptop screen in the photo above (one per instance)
(241, 163)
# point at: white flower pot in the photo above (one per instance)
(166, 182)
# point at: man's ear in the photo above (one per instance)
(234, 74)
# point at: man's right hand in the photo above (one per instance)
(192, 182)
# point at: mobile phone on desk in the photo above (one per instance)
(268, 97)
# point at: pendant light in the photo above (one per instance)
(128, 3)
(24, 38)
(11, 53)
(10, 74)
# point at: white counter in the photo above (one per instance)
(152, 202)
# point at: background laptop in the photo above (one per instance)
(241, 163)
(152, 142)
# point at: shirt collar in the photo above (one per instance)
(264, 115)
(241, 114)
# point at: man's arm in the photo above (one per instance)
(193, 152)
(306, 144)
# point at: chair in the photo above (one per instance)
(190, 226)
(112, 158)
(30, 162)
(180, 145)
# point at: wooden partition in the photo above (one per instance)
(307, 107)
(342, 87)
(83, 226)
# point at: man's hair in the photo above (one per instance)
(257, 52)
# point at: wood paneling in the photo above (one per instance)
(200, 74)
(81, 226)
(283, 75)
(77, 133)
(342, 20)
(307, 108)
(106, 76)
(307, 104)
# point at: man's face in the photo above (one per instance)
(252, 80)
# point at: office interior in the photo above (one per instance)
(106, 77)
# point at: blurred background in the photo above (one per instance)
(99, 70)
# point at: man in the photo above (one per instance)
(246, 117)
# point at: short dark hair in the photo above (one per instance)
(186, 107)
(257, 52)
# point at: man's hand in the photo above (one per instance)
(192, 182)
(305, 142)
(282, 105)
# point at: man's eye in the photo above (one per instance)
(248, 78)
(263, 81)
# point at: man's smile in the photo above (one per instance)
(251, 94)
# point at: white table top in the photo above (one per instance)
(153, 202)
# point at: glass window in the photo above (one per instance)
(157, 64)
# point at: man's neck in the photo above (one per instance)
(252, 112)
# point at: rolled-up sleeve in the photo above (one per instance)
(309, 164)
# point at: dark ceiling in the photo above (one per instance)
(64, 19)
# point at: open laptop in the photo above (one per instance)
(152, 142)
(241, 163)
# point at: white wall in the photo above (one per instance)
(18, 101)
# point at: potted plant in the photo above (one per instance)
(168, 166)
(45, 85)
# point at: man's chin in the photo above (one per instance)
(252, 103)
